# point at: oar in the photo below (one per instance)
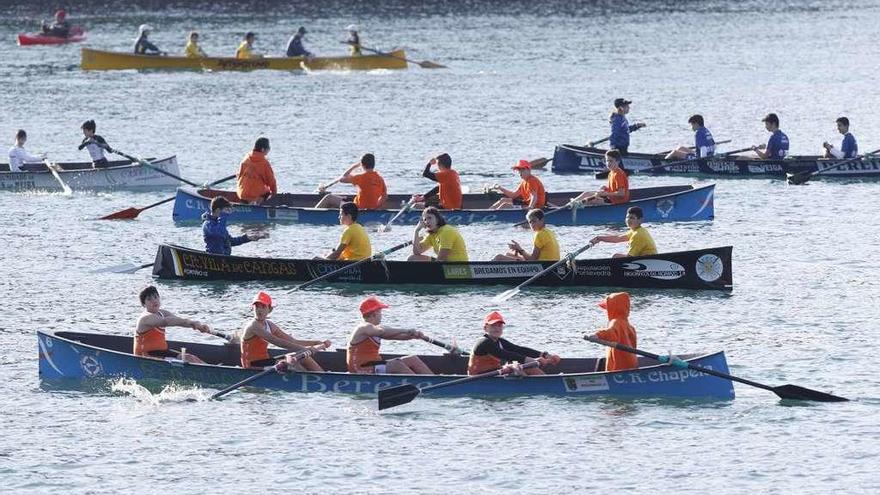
(53, 169)
(783, 391)
(802, 177)
(123, 268)
(149, 165)
(512, 292)
(600, 141)
(327, 186)
(404, 394)
(540, 162)
(350, 266)
(131, 213)
(604, 174)
(387, 227)
(279, 367)
(448, 347)
(554, 210)
(425, 64)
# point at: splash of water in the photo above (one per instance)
(169, 393)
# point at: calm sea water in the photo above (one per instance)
(523, 77)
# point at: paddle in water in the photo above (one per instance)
(282, 366)
(53, 169)
(793, 392)
(802, 177)
(349, 266)
(387, 227)
(123, 268)
(425, 64)
(516, 290)
(132, 213)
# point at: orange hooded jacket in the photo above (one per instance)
(255, 177)
(619, 330)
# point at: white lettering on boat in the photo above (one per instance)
(523, 270)
(662, 375)
(658, 269)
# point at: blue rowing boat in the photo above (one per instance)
(660, 204)
(72, 358)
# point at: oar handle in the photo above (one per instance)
(554, 210)
(350, 266)
(488, 374)
(280, 366)
(448, 347)
(328, 186)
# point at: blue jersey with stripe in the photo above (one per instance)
(777, 145)
(849, 147)
(704, 143)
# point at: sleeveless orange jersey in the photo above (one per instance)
(371, 187)
(363, 352)
(482, 364)
(450, 189)
(618, 180)
(619, 330)
(529, 186)
(253, 349)
(151, 340)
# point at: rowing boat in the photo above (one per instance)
(74, 359)
(706, 269)
(660, 204)
(121, 174)
(104, 60)
(568, 159)
(77, 34)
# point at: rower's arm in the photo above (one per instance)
(417, 245)
(443, 255)
(433, 192)
(276, 336)
(390, 333)
(533, 203)
(337, 252)
(428, 174)
(609, 238)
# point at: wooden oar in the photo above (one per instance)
(783, 391)
(554, 210)
(803, 177)
(516, 290)
(604, 174)
(327, 186)
(387, 227)
(123, 268)
(600, 141)
(350, 266)
(149, 165)
(425, 64)
(279, 367)
(448, 347)
(404, 394)
(53, 169)
(131, 213)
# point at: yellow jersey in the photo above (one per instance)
(192, 50)
(357, 243)
(640, 243)
(447, 237)
(545, 241)
(244, 50)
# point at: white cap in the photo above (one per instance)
(145, 27)
(352, 27)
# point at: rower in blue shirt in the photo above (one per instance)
(777, 146)
(848, 148)
(295, 46)
(620, 127)
(704, 143)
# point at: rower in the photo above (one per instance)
(618, 330)
(193, 50)
(18, 156)
(640, 241)
(94, 144)
(704, 143)
(214, 231)
(363, 345)
(354, 40)
(530, 193)
(546, 247)
(445, 239)
(492, 352)
(149, 338)
(355, 243)
(246, 47)
(620, 127)
(59, 27)
(448, 184)
(848, 148)
(295, 46)
(615, 191)
(371, 190)
(142, 45)
(777, 146)
(260, 332)
(256, 179)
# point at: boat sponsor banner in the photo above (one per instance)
(658, 269)
(586, 383)
(505, 270)
(351, 275)
(200, 265)
(660, 375)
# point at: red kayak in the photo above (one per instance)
(77, 34)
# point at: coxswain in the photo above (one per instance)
(295, 46)
(354, 40)
(218, 240)
(59, 27)
(354, 244)
(448, 189)
(777, 146)
(94, 144)
(704, 143)
(260, 332)
(618, 330)
(18, 156)
(246, 47)
(546, 247)
(615, 191)
(640, 241)
(492, 352)
(193, 50)
(371, 191)
(256, 179)
(366, 339)
(142, 45)
(443, 238)
(848, 147)
(149, 337)
(620, 128)
(530, 194)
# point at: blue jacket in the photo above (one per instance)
(217, 238)
(620, 130)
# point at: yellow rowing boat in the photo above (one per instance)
(104, 60)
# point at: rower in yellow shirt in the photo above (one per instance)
(446, 241)
(246, 48)
(640, 241)
(193, 50)
(546, 247)
(355, 243)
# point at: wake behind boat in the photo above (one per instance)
(119, 174)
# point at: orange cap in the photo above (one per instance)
(522, 164)
(263, 298)
(371, 304)
(492, 318)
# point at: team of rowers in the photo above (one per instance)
(490, 352)
(94, 144)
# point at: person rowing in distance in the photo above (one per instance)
(366, 340)
(256, 179)
(619, 330)
(217, 238)
(371, 191)
(704, 143)
(142, 45)
(448, 189)
(444, 239)
(354, 244)
(354, 40)
(192, 49)
(530, 194)
(94, 144)
(260, 332)
(616, 189)
(620, 128)
(18, 156)
(246, 47)
(640, 241)
(777, 146)
(295, 46)
(149, 337)
(492, 352)
(59, 28)
(546, 247)
(848, 147)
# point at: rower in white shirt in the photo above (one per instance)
(18, 156)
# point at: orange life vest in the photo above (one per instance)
(532, 185)
(151, 340)
(450, 189)
(482, 364)
(363, 352)
(618, 180)
(253, 349)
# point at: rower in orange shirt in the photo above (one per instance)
(149, 337)
(619, 330)
(363, 345)
(371, 190)
(616, 191)
(530, 193)
(256, 180)
(448, 188)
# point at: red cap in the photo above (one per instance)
(371, 304)
(262, 298)
(522, 164)
(62, 14)
(492, 318)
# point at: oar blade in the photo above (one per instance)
(796, 392)
(427, 64)
(601, 175)
(126, 214)
(123, 268)
(505, 295)
(539, 162)
(396, 396)
(798, 178)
